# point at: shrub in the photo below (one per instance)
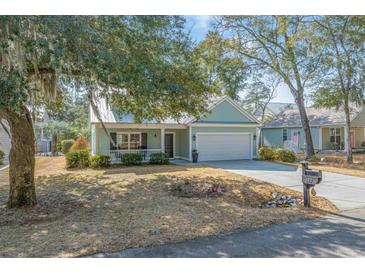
(2, 156)
(159, 158)
(285, 155)
(314, 158)
(266, 153)
(66, 145)
(97, 161)
(78, 158)
(80, 144)
(131, 159)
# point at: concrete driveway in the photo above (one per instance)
(346, 192)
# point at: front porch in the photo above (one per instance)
(144, 139)
(335, 139)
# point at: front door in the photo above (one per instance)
(169, 144)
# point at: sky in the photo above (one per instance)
(198, 26)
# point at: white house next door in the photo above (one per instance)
(223, 146)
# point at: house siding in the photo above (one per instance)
(5, 144)
(359, 136)
(224, 113)
(273, 137)
(359, 120)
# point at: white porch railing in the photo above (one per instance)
(116, 155)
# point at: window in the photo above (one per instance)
(127, 141)
(285, 134)
(122, 140)
(335, 135)
(135, 141)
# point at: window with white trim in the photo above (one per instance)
(335, 135)
(285, 134)
(122, 141)
(126, 141)
(134, 140)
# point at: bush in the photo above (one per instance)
(285, 155)
(131, 159)
(80, 144)
(159, 158)
(97, 161)
(2, 156)
(266, 153)
(314, 158)
(78, 158)
(66, 145)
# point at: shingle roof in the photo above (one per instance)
(316, 116)
(108, 115)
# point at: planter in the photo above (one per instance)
(195, 157)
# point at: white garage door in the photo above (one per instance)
(223, 146)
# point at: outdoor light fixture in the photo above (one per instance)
(194, 137)
(254, 136)
(155, 135)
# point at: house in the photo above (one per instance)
(225, 132)
(273, 109)
(5, 141)
(327, 128)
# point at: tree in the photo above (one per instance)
(340, 81)
(259, 93)
(278, 44)
(226, 71)
(142, 64)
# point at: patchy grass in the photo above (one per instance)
(337, 163)
(81, 212)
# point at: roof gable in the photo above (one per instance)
(226, 111)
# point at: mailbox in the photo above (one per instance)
(310, 178)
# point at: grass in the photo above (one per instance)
(81, 212)
(337, 163)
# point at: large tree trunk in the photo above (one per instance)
(348, 128)
(22, 159)
(305, 124)
(54, 144)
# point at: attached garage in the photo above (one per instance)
(224, 146)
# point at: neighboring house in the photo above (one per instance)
(226, 132)
(327, 128)
(5, 141)
(273, 109)
(44, 143)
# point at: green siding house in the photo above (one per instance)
(327, 129)
(225, 132)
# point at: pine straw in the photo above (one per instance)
(89, 211)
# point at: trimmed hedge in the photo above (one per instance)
(97, 161)
(66, 145)
(285, 155)
(2, 156)
(131, 159)
(266, 153)
(78, 159)
(159, 158)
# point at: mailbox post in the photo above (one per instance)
(310, 178)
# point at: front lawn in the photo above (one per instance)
(81, 212)
(337, 162)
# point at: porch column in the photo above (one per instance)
(190, 145)
(162, 140)
(346, 144)
(320, 138)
